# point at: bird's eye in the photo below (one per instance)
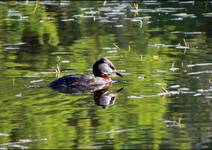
(113, 98)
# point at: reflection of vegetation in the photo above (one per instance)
(24, 24)
(74, 121)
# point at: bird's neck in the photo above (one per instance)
(103, 80)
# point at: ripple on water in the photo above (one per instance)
(4, 135)
(200, 72)
(169, 9)
(187, 33)
(207, 14)
(184, 15)
(20, 143)
(198, 65)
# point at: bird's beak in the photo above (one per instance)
(119, 74)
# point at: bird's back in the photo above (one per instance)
(72, 81)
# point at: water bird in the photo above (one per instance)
(103, 70)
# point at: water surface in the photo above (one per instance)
(162, 48)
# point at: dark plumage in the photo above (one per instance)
(102, 70)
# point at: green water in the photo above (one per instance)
(163, 49)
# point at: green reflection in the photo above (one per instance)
(136, 121)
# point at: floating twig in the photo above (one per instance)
(141, 57)
(58, 66)
(114, 44)
(129, 48)
(164, 90)
(136, 9)
(36, 6)
(186, 45)
(105, 2)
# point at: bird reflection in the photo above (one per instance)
(103, 96)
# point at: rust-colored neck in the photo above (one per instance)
(107, 78)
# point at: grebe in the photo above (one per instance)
(103, 69)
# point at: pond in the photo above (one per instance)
(162, 48)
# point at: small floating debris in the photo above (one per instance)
(136, 19)
(155, 57)
(109, 48)
(105, 21)
(77, 16)
(205, 91)
(187, 33)
(51, 3)
(119, 26)
(65, 61)
(187, 92)
(161, 71)
(165, 93)
(160, 84)
(31, 76)
(4, 135)
(64, 3)
(113, 131)
(135, 97)
(169, 93)
(11, 48)
(174, 86)
(200, 72)
(173, 69)
(104, 9)
(151, 3)
(177, 19)
(141, 77)
(36, 81)
(141, 96)
(209, 97)
(111, 52)
(159, 45)
(142, 18)
(197, 65)
(207, 14)
(197, 94)
(185, 15)
(45, 72)
(34, 86)
(66, 20)
(186, 2)
(87, 8)
(115, 18)
(147, 10)
(19, 95)
(14, 44)
(183, 89)
(21, 141)
(181, 47)
(171, 123)
(15, 146)
(13, 13)
(112, 14)
(114, 44)
(91, 12)
(86, 16)
(168, 9)
(60, 53)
